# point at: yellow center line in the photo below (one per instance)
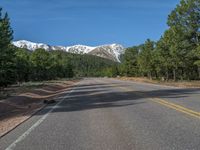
(177, 107)
(166, 103)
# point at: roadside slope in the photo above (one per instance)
(16, 109)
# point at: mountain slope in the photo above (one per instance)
(30, 45)
(111, 52)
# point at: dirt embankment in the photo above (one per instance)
(186, 84)
(26, 100)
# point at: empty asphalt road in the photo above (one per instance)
(109, 114)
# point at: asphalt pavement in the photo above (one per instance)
(110, 114)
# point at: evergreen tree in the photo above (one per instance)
(7, 54)
(129, 63)
(22, 65)
(177, 54)
(164, 58)
(184, 23)
(41, 63)
(69, 71)
(145, 59)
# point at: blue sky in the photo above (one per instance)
(89, 22)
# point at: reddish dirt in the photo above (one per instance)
(16, 109)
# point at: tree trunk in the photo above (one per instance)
(149, 76)
(156, 73)
(199, 71)
(167, 75)
(182, 74)
(174, 74)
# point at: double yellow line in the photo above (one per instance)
(167, 104)
(177, 107)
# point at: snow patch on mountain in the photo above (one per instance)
(79, 49)
(112, 51)
(30, 45)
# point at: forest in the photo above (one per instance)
(175, 56)
(19, 65)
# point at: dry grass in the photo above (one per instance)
(188, 84)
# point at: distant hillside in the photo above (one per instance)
(112, 51)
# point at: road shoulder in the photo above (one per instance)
(18, 109)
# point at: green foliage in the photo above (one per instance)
(40, 61)
(129, 66)
(46, 65)
(184, 23)
(89, 65)
(145, 58)
(177, 54)
(5, 30)
(7, 54)
(22, 64)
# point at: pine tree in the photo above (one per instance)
(22, 64)
(41, 63)
(145, 59)
(129, 63)
(184, 23)
(7, 54)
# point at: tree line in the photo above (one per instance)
(176, 55)
(21, 65)
(47, 65)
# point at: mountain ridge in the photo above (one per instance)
(108, 51)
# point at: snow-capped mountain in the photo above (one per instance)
(79, 49)
(112, 51)
(30, 45)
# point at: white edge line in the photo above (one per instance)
(27, 132)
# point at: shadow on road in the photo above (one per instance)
(95, 96)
